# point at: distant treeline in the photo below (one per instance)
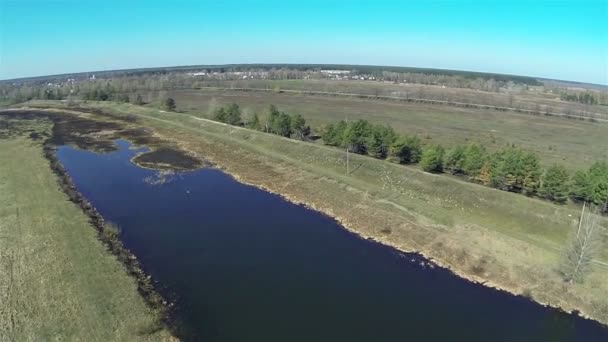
(584, 97)
(510, 169)
(150, 86)
(358, 69)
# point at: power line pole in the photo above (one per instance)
(580, 221)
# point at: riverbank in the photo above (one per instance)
(58, 280)
(500, 239)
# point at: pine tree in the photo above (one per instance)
(282, 125)
(169, 104)
(233, 115)
(475, 157)
(555, 184)
(454, 161)
(406, 150)
(356, 135)
(219, 114)
(374, 144)
(432, 159)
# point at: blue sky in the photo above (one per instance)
(555, 39)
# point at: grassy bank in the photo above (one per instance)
(503, 239)
(57, 280)
(574, 143)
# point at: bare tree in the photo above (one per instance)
(583, 246)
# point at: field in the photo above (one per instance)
(574, 143)
(57, 280)
(534, 98)
(503, 239)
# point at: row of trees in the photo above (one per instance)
(274, 121)
(510, 169)
(104, 95)
(585, 97)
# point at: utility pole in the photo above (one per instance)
(580, 221)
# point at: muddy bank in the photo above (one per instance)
(98, 133)
(167, 159)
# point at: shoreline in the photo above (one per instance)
(455, 271)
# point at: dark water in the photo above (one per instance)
(245, 265)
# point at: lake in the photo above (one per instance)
(245, 265)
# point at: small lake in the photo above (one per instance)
(245, 265)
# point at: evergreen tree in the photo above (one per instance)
(475, 157)
(454, 161)
(233, 115)
(406, 150)
(432, 159)
(375, 144)
(387, 137)
(555, 184)
(219, 114)
(592, 185)
(356, 135)
(168, 104)
(515, 170)
(333, 134)
(282, 125)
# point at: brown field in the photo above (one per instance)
(574, 143)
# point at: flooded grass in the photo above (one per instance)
(99, 134)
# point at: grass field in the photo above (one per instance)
(505, 239)
(574, 143)
(57, 281)
(535, 98)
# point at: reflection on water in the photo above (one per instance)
(245, 265)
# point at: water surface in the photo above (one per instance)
(245, 265)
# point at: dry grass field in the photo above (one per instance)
(534, 98)
(574, 143)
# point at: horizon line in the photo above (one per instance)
(296, 64)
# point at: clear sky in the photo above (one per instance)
(554, 39)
